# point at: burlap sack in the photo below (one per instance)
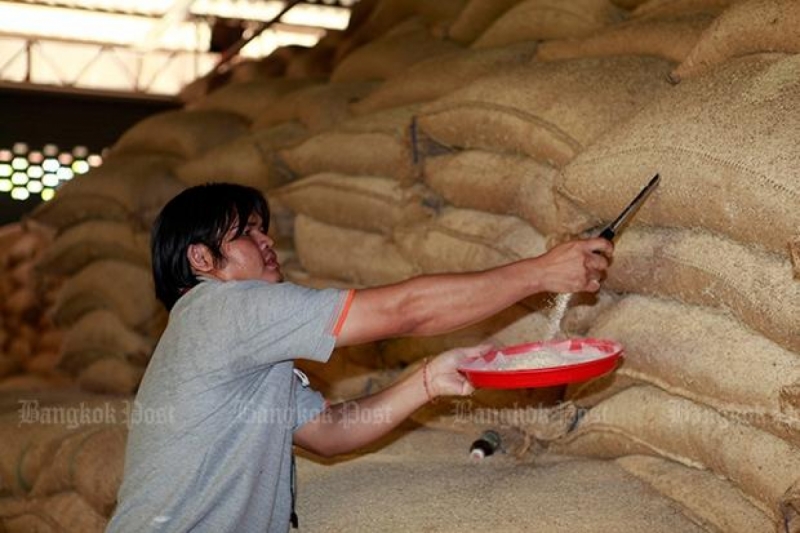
(22, 274)
(549, 111)
(318, 107)
(382, 17)
(497, 183)
(791, 509)
(185, 134)
(587, 394)
(40, 362)
(281, 226)
(36, 426)
(671, 39)
(123, 288)
(21, 349)
(296, 274)
(476, 17)
(8, 364)
(64, 211)
(28, 383)
(628, 4)
(48, 338)
(127, 187)
(9, 234)
(25, 452)
(10, 401)
(431, 78)
(714, 175)
(23, 244)
(746, 28)
(464, 240)
(283, 135)
(247, 100)
(542, 20)
(23, 300)
(250, 160)
(66, 512)
(247, 70)
(646, 420)
(315, 63)
(699, 268)
(391, 54)
(370, 145)
(679, 8)
(358, 202)
(203, 85)
(705, 356)
(90, 462)
(713, 502)
(93, 240)
(351, 255)
(101, 334)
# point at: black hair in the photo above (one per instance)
(202, 214)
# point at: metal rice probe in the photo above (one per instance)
(610, 231)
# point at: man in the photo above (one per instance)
(224, 365)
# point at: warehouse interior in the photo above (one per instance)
(399, 139)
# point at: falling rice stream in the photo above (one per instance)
(557, 315)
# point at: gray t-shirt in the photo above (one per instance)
(210, 445)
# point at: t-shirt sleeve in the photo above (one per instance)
(308, 403)
(277, 322)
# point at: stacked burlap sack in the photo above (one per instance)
(61, 459)
(518, 152)
(29, 340)
(455, 136)
(710, 324)
(99, 256)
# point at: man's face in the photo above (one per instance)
(250, 255)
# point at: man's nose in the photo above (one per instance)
(264, 240)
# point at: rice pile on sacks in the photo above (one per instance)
(454, 136)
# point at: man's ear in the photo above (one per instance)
(200, 258)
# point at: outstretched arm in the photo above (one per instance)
(350, 425)
(431, 305)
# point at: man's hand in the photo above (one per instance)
(334, 431)
(443, 376)
(574, 266)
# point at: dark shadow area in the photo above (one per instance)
(67, 119)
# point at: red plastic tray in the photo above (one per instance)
(550, 376)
